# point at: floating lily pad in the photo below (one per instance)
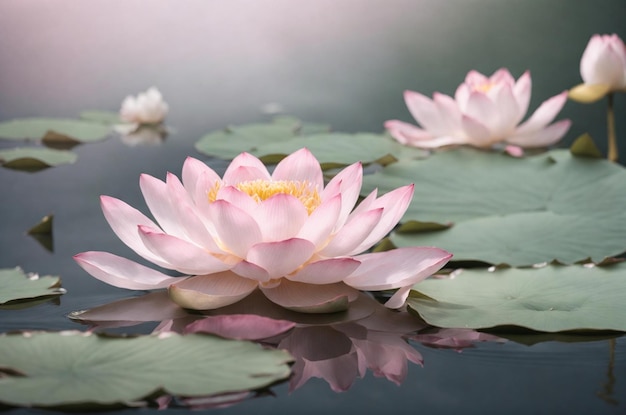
(104, 117)
(550, 299)
(341, 149)
(15, 286)
(228, 143)
(53, 130)
(71, 368)
(33, 159)
(509, 210)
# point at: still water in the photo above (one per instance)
(343, 63)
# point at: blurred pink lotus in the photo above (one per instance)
(602, 67)
(484, 111)
(147, 108)
(284, 233)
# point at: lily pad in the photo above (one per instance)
(228, 143)
(509, 210)
(549, 299)
(33, 159)
(16, 286)
(53, 130)
(103, 117)
(72, 368)
(341, 149)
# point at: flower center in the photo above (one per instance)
(261, 190)
(484, 87)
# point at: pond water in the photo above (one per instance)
(341, 63)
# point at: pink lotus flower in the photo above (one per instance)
(602, 67)
(484, 111)
(284, 233)
(147, 108)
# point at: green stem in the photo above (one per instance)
(610, 123)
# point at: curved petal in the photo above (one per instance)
(321, 222)
(325, 271)
(347, 183)
(122, 272)
(240, 326)
(542, 138)
(396, 268)
(237, 230)
(251, 271)
(482, 109)
(398, 299)
(184, 256)
(281, 258)
(544, 114)
(309, 298)
(237, 198)
(522, 91)
(156, 196)
(395, 204)
(353, 233)
(502, 76)
(208, 292)
(425, 112)
(280, 217)
(406, 133)
(192, 170)
(508, 113)
(477, 133)
(604, 62)
(245, 167)
(124, 219)
(449, 112)
(301, 166)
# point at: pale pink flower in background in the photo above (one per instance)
(146, 108)
(484, 112)
(285, 233)
(602, 67)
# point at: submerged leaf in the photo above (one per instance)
(58, 129)
(15, 286)
(509, 210)
(33, 159)
(549, 299)
(69, 368)
(585, 147)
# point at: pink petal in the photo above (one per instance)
(474, 77)
(604, 62)
(398, 299)
(311, 298)
(449, 112)
(395, 204)
(155, 193)
(353, 233)
(251, 271)
(502, 76)
(542, 138)
(280, 217)
(208, 292)
(424, 110)
(245, 167)
(508, 113)
(184, 256)
(325, 271)
(236, 230)
(339, 372)
(281, 258)
(347, 183)
(122, 272)
(240, 326)
(237, 198)
(407, 134)
(477, 133)
(124, 219)
(192, 170)
(396, 268)
(300, 166)
(543, 115)
(482, 109)
(321, 222)
(522, 92)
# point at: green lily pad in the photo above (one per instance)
(33, 159)
(103, 117)
(72, 368)
(16, 286)
(53, 130)
(228, 143)
(550, 299)
(341, 149)
(511, 210)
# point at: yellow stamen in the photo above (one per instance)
(260, 190)
(486, 87)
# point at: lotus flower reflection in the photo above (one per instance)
(298, 241)
(484, 111)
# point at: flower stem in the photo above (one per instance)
(610, 123)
